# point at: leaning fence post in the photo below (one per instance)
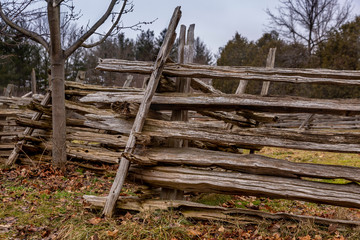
(28, 131)
(142, 112)
(129, 81)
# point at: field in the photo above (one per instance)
(42, 203)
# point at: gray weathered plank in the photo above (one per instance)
(248, 163)
(242, 73)
(197, 180)
(234, 102)
(143, 110)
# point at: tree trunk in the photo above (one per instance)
(57, 60)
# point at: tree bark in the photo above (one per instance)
(57, 59)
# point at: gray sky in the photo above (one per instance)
(216, 22)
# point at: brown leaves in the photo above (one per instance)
(221, 229)
(333, 228)
(194, 232)
(112, 233)
(95, 220)
(307, 237)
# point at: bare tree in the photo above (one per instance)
(308, 21)
(27, 17)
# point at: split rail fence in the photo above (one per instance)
(151, 129)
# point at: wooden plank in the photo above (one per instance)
(311, 140)
(129, 81)
(76, 151)
(213, 213)
(6, 146)
(28, 131)
(241, 73)
(97, 88)
(182, 85)
(9, 90)
(232, 102)
(196, 180)
(197, 84)
(142, 113)
(215, 134)
(15, 101)
(247, 163)
(33, 82)
(13, 112)
(307, 121)
(270, 63)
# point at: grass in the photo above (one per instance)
(41, 203)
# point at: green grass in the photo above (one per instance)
(344, 159)
(40, 203)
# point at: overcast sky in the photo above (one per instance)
(216, 21)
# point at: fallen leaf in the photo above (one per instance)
(112, 233)
(221, 229)
(95, 237)
(307, 237)
(332, 228)
(193, 232)
(128, 216)
(95, 220)
(276, 236)
(318, 237)
(274, 227)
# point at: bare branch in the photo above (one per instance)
(32, 35)
(309, 21)
(57, 2)
(86, 35)
(110, 30)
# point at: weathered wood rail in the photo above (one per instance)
(127, 125)
(154, 164)
(10, 109)
(323, 76)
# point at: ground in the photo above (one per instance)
(39, 202)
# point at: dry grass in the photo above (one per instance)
(42, 203)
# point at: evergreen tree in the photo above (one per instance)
(202, 53)
(159, 41)
(237, 52)
(342, 49)
(19, 57)
(342, 52)
(145, 46)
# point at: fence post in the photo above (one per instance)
(80, 77)
(185, 55)
(142, 113)
(129, 81)
(33, 81)
(270, 63)
(9, 90)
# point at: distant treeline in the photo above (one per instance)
(341, 50)
(19, 56)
